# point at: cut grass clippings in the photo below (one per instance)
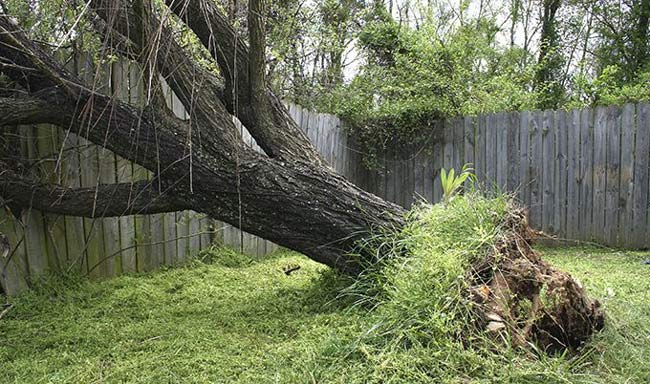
(232, 319)
(253, 324)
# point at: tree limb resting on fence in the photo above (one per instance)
(203, 162)
(106, 200)
(27, 110)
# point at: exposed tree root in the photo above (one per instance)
(523, 297)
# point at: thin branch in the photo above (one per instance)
(106, 200)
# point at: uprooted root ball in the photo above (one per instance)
(523, 297)
(463, 274)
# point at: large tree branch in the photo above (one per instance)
(297, 204)
(131, 132)
(105, 200)
(261, 112)
(27, 110)
(199, 90)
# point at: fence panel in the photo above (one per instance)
(583, 175)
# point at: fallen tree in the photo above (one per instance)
(286, 194)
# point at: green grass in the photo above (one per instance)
(233, 319)
(249, 323)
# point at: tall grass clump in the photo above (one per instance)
(419, 286)
(426, 293)
(458, 292)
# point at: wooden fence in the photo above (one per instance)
(99, 247)
(583, 174)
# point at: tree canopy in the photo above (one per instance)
(390, 67)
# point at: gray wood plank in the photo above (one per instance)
(640, 234)
(35, 239)
(524, 161)
(480, 158)
(628, 129)
(612, 174)
(469, 137)
(512, 149)
(536, 166)
(157, 227)
(491, 151)
(182, 236)
(459, 145)
(586, 174)
(419, 169)
(49, 149)
(501, 151)
(110, 225)
(205, 226)
(560, 171)
(390, 177)
(573, 175)
(194, 233)
(548, 174)
(448, 146)
(14, 273)
(438, 155)
(600, 176)
(74, 226)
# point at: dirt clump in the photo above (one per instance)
(521, 296)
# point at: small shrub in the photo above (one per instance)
(451, 183)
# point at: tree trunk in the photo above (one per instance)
(289, 196)
(286, 194)
(640, 37)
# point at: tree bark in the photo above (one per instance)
(300, 204)
(640, 38)
(105, 200)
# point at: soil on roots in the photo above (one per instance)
(521, 296)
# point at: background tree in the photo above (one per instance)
(413, 61)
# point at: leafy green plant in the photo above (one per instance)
(451, 182)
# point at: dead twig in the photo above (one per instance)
(5, 310)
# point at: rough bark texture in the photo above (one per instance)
(105, 200)
(200, 162)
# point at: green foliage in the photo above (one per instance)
(609, 89)
(451, 183)
(55, 23)
(225, 256)
(422, 300)
(413, 77)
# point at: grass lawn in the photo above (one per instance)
(244, 321)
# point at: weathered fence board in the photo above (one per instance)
(524, 153)
(583, 175)
(640, 231)
(573, 174)
(512, 148)
(612, 173)
(586, 173)
(625, 214)
(535, 162)
(548, 162)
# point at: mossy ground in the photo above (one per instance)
(232, 319)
